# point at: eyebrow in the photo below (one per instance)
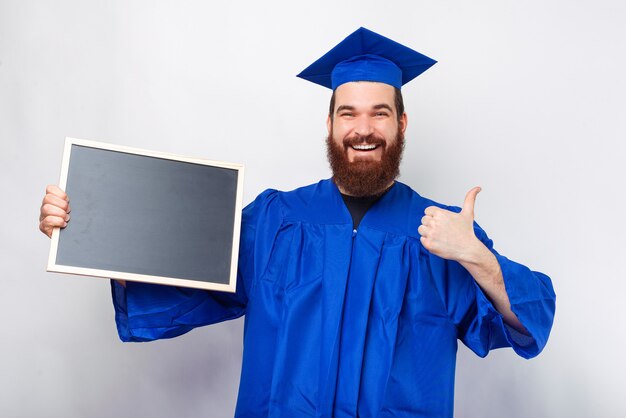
(344, 107)
(375, 107)
(383, 106)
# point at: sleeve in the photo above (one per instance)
(146, 312)
(481, 326)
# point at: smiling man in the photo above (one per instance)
(356, 289)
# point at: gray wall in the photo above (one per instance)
(528, 100)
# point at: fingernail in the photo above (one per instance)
(64, 224)
(67, 217)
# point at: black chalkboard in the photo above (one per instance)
(146, 216)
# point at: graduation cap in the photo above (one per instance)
(367, 56)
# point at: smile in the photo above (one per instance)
(365, 147)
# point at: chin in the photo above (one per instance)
(364, 158)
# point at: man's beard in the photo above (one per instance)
(365, 177)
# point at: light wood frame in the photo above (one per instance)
(171, 281)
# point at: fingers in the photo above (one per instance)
(52, 217)
(427, 223)
(48, 224)
(56, 201)
(54, 211)
(55, 197)
(470, 201)
(55, 204)
(432, 210)
(429, 244)
(48, 209)
(428, 228)
(56, 190)
(428, 220)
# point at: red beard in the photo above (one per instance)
(365, 178)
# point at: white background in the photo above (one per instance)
(528, 100)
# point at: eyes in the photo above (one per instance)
(379, 114)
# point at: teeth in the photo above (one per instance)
(363, 147)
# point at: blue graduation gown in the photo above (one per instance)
(341, 322)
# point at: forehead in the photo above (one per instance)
(364, 94)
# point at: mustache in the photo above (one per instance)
(370, 139)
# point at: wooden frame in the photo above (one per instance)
(227, 285)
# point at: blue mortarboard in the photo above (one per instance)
(367, 56)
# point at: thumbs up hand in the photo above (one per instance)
(448, 234)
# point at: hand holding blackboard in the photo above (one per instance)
(55, 210)
(144, 216)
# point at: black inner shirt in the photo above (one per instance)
(358, 206)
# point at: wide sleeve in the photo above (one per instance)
(481, 326)
(146, 312)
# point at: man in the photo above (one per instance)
(355, 289)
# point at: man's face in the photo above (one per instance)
(365, 138)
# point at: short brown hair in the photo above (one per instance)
(397, 99)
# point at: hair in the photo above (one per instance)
(397, 99)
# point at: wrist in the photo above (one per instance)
(475, 253)
(480, 260)
(484, 267)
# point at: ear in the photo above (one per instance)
(328, 124)
(404, 121)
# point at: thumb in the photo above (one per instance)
(470, 201)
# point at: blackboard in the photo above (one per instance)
(147, 216)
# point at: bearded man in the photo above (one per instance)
(356, 289)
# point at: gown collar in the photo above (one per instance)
(393, 212)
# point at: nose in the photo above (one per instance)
(363, 127)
